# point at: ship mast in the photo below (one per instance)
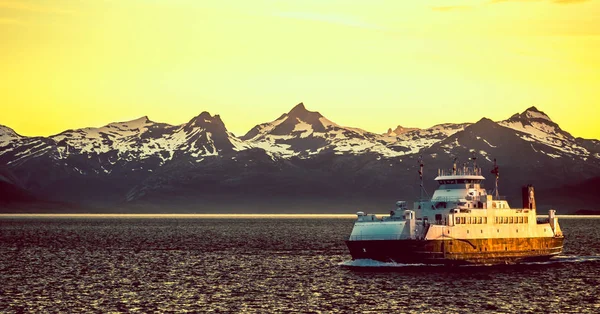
(421, 177)
(497, 174)
(454, 167)
(474, 159)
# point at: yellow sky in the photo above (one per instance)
(371, 64)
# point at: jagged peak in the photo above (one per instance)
(132, 123)
(204, 119)
(483, 122)
(204, 116)
(534, 113)
(300, 111)
(531, 113)
(400, 130)
(299, 106)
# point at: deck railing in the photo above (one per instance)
(460, 171)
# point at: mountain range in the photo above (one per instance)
(299, 162)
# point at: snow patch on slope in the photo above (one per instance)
(547, 134)
(7, 135)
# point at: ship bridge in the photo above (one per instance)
(457, 184)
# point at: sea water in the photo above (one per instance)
(199, 263)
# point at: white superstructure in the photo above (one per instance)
(461, 213)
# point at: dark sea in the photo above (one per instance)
(264, 265)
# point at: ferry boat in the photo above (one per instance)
(460, 224)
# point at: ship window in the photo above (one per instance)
(457, 220)
(510, 220)
(496, 220)
(481, 230)
(479, 220)
(505, 220)
(485, 220)
(520, 220)
(526, 219)
(467, 231)
(462, 220)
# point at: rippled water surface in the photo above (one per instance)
(265, 265)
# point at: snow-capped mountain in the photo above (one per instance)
(141, 139)
(526, 156)
(125, 144)
(305, 133)
(412, 142)
(300, 156)
(536, 126)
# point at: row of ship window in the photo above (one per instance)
(512, 220)
(498, 220)
(470, 220)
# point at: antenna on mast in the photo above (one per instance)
(496, 172)
(474, 159)
(454, 166)
(421, 176)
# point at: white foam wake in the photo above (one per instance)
(374, 263)
(368, 263)
(567, 259)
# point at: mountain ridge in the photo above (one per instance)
(299, 157)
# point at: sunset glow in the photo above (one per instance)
(368, 64)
